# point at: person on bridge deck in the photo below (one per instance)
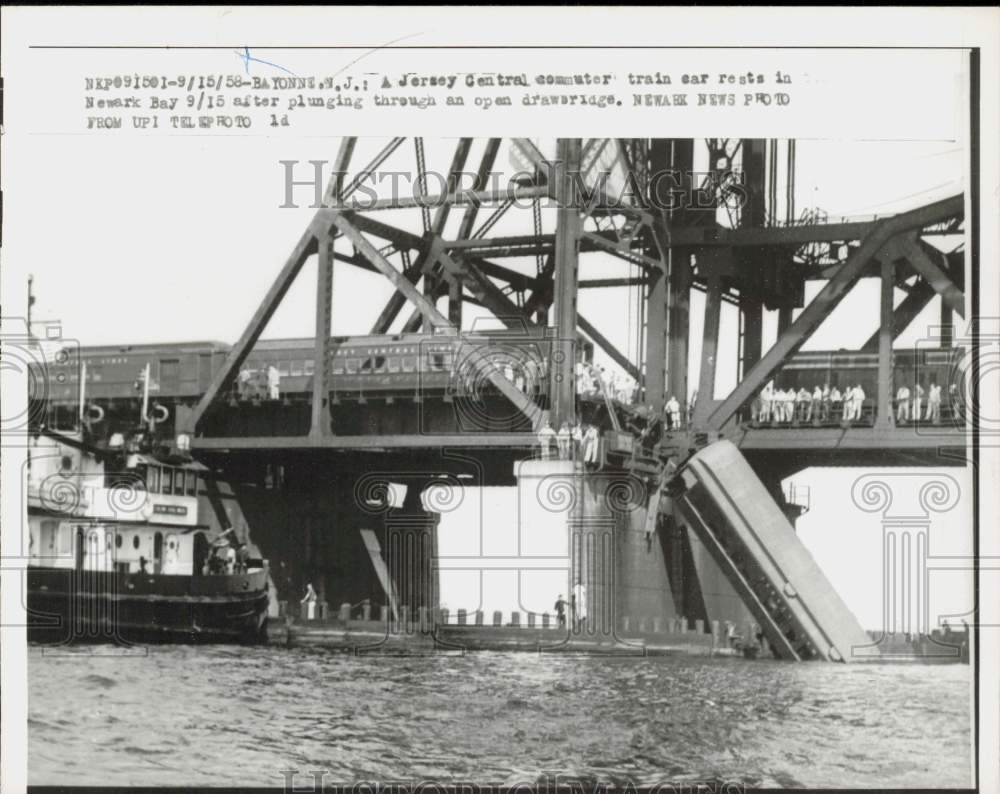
(859, 403)
(673, 410)
(825, 411)
(789, 404)
(766, 397)
(815, 405)
(590, 440)
(578, 441)
(836, 404)
(918, 401)
(565, 442)
(531, 375)
(273, 383)
(903, 404)
(803, 400)
(778, 406)
(755, 410)
(848, 413)
(933, 403)
(244, 383)
(560, 607)
(546, 437)
(955, 403)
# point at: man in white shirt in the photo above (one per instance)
(848, 404)
(814, 406)
(903, 404)
(934, 403)
(918, 401)
(273, 382)
(673, 411)
(766, 397)
(836, 404)
(859, 402)
(546, 438)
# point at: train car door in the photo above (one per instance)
(170, 375)
(204, 372)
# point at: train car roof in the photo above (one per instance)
(155, 347)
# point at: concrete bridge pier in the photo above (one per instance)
(597, 522)
(410, 550)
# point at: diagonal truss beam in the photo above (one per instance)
(828, 298)
(303, 249)
(479, 362)
(904, 314)
(605, 344)
(908, 247)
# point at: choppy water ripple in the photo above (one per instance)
(240, 716)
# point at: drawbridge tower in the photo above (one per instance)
(508, 234)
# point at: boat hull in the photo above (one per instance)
(72, 606)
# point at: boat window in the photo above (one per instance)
(118, 540)
(167, 481)
(153, 479)
(179, 482)
(191, 483)
(135, 541)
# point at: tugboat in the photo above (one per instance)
(133, 541)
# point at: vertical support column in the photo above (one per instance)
(753, 325)
(656, 342)
(567, 246)
(320, 424)
(709, 348)
(883, 415)
(784, 319)
(455, 302)
(947, 325)
(680, 320)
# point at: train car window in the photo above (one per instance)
(379, 363)
(394, 364)
(153, 479)
(191, 483)
(409, 363)
(338, 367)
(284, 368)
(366, 365)
(353, 366)
(179, 482)
(167, 481)
(309, 367)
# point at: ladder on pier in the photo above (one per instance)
(750, 539)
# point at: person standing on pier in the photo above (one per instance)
(560, 607)
(578, 441)
(673, 410)
(546, 436)
(591, 439)
(579, 605)
(564, 441)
